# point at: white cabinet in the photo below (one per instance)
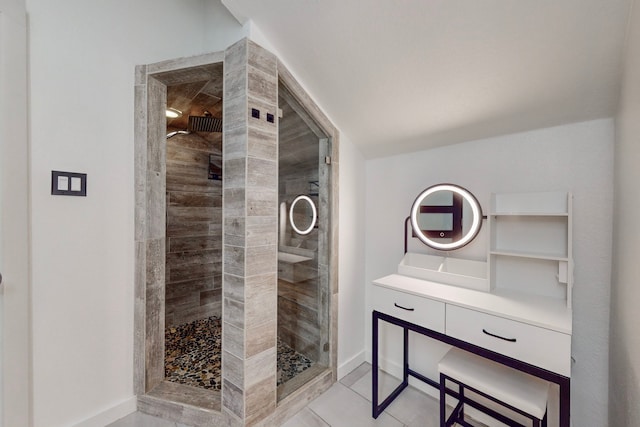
(530, 247)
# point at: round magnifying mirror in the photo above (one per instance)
(303, 215)
(446, 217)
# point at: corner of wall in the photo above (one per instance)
(624, 345)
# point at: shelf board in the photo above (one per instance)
(533, 255)
(292, 258)
(558, 214)
(531, 202)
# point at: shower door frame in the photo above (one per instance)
(321, 124)
(327, 254)
(150, 244)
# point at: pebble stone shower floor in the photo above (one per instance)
(192, 355)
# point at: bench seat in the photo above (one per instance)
(509, 387)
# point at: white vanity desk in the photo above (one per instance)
(514, 309)
(529, 333)
(537, 323)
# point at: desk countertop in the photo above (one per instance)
(544, 312)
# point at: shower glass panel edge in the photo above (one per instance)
(303, 266)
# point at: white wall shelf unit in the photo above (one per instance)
(530, 248)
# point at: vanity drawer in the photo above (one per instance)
(418, 310)
(538, 346)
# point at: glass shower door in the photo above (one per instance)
(302, 247)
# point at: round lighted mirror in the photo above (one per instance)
(446, 217)
(303, 215)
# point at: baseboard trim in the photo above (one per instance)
(351, 364)
(111, 414)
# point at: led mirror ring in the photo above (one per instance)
(314, 215)
(467, 237)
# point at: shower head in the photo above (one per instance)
(176, 132)
(206, 123)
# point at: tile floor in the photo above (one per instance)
(346, 404)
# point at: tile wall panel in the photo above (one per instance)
(250, 235)
(193, 229)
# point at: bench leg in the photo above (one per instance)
(457, 415)
(460, 415)
(443, 404)
(451, 420)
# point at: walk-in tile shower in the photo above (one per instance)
(236, 240)
(193, 260)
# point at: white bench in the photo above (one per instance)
(518, 391)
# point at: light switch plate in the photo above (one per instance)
(68, 183)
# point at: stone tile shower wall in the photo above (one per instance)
(194, 229)
(250, 234)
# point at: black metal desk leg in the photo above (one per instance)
(565, 402)
(405, 368)
(374, 365)
(378, 408)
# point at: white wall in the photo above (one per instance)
(15, 328)
(576, 158)
(351, 303)
(82, 59)
(221, 28)
(624, 381)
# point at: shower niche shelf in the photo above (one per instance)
(292, 258)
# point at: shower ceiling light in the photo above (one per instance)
(172, 113)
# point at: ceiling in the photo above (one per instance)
(400, 76)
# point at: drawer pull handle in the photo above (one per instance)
(404, 308)
(498, 336)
